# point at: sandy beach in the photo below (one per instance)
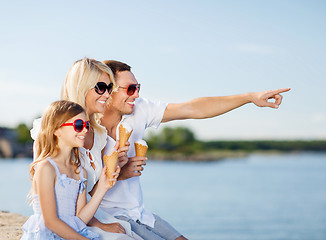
(10, 225)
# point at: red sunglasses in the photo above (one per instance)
(131, 89)
(78, 124)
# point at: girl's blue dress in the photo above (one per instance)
(66, 193)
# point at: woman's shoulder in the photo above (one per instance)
(100, 138)
(36, 128)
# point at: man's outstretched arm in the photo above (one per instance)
(207, 107)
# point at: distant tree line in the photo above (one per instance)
(15, 142)
(23, 134)
(181, 139)
(171, 141)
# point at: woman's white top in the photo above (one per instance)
(94, 156)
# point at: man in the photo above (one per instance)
(125, 199)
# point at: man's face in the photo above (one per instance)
(120, 100)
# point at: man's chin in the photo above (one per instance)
(129, 111)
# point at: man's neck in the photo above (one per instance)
(110, 121)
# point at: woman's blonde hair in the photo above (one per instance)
(81, 77)
(46, 143)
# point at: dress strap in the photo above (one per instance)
(54, 164)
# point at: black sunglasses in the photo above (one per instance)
(101, 87)
(78, 124)
(131, 89)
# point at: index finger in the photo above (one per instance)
(281, 90)
(138, 163)
(116, 146)
(123, 149)
(138, 158)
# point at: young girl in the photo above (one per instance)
(59, 182)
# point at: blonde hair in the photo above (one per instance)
(46, 143)
(81, 77)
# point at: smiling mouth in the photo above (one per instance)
(81, 137)
(131, 103)
(101, 102)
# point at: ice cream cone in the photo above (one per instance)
(141, 148)
(110, 162)
(124, 133)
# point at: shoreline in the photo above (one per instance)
(10, 225)
(208, 156)
(218, 155)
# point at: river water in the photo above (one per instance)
(257, 197)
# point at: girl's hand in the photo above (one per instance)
(104, 182)
(115, 176)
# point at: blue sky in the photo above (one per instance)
(178, 50)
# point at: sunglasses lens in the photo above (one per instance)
(100, 87)
(87, 125)
(79, 125)
(132, 89)
(110, 87)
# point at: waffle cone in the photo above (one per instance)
(123, 136)
(140, 150)
(110, 162)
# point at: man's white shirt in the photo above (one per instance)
(126, 197)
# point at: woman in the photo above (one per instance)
(89, 83)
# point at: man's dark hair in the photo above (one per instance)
(117, 66)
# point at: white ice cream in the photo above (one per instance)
(142, 142)
(126, 126)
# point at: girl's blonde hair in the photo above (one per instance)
(81, 77)
(46, 143)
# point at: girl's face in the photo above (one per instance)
(95, 103)
(67, 134)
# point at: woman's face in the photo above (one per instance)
(95, 103)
